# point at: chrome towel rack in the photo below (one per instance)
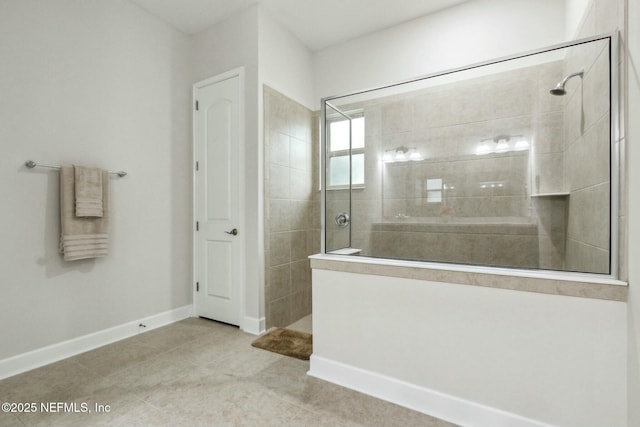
(31, 164)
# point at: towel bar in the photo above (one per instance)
(31, 164)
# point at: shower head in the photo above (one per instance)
(559, 90)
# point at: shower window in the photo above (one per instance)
(346, 151)
(509, 163)
(434, 190)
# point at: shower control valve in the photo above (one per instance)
(342, 219)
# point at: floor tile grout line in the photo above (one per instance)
(256, 371)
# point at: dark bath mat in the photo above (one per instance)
(286, 341)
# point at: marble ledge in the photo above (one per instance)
(554, 283)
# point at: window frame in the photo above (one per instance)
(352, 115)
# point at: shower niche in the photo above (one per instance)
(508, 163)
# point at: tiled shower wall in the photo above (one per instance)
(446, 124)
(291, 207)
(586, 167)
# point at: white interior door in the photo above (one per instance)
(218, 239)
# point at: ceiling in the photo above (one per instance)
(316, 23)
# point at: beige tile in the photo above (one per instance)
(300, 305)
(303, 325)
(585, 258)
(300, 276)
(280, 312)
(550, 133)
(587, 26)
(573, 118)
(397, 117)
(301, 156)
(548, 173)
(279, 248)
(588, 160)
(217, 379)
(279, 186)
(300, 215)
(279, 148)
(47, 383)
(607, 15)
(300, 246)
(10, 420)
(280, 281)
(115, 357)
(169, 337)
(208, 349)
(301, 184)
(596, 90)
(279, 216)
(588, 220)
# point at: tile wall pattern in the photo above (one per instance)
(291, 205)
(560, 185)
(446, 124)
(587, 116)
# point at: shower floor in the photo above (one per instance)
(303, 325)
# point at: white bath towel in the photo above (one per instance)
(82, 237)
(88, 191)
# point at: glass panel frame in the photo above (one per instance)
(613, 51)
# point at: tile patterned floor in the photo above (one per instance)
(194, 373)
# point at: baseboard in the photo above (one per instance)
(43, 356)
(254, 326)
(431, 402)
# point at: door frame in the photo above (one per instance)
(240, 73)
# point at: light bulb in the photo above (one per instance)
(502, 146)
(415, 155)
(400, 157)
(483, 149)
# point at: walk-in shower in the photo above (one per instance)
(481, 165)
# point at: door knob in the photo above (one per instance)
(233, 232)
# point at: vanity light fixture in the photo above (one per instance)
(401, 154)
(503, 145)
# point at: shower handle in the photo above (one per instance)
(342, 219)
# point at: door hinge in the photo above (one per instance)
(197, 106)
(197, 226)
(197, 166)
(197, 286)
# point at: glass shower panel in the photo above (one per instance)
(502, 164)
(338, 155)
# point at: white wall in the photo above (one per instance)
(286, 65)
(633, 158)
(575, 10)
(550, 358)
(270, 56)
(98, 83)
(474, 31)
(228, 45)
